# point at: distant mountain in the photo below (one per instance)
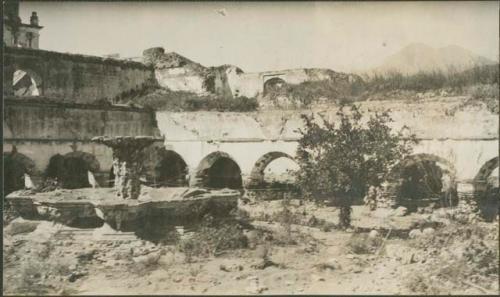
(421, 57)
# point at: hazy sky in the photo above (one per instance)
(267, 36)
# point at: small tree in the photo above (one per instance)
(340, 161)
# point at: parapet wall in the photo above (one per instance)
(40, 130)
(31, 120)
(74, 78)
(463, 135)
(444, 118)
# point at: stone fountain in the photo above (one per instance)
(125, 208)
(128, 159)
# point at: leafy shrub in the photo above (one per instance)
(363, 244)
(339, 162)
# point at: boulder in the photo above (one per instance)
(415, 233)
(147, 260)
(400, 211)
(331, 264)
(317, 278)
(428, 231)
(19, 226)
(373, 234)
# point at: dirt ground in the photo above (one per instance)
(304, 256)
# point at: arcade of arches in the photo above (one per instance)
(418, 178)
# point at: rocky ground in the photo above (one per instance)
(270, 249)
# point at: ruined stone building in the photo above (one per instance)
(56, 102)
(15, 32)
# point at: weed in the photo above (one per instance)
(211, 240)
(421, 284)
(363, 244)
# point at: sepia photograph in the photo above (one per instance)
(250, 147)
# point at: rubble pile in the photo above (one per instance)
(457, 258)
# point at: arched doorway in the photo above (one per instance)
(72, 169)
(16, 167)
(422, 179)
(274, 85)
(273, 170)
(26, 83)
(486, 189)
(218, 170)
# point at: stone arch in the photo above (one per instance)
(257, 173)
(171, 169)
(16, 165)
(71, 169)
(487, 192)
(218, 170)
(164, 167)
(486, 170)
(422, 176)
(274, 84)
(26, 82)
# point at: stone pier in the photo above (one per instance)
(128, 159)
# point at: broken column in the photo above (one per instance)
(128, 159)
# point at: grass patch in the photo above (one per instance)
(178, 101)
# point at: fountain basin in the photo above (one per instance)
(92, 207)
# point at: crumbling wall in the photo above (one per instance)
(41, 131)
(38, 120)
(253, 84)
(175, 72)
(467, 137)
(75, 78)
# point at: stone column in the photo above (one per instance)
(128, 162)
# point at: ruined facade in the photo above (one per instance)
(56, 102)
(178, 73)
(15, 32)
